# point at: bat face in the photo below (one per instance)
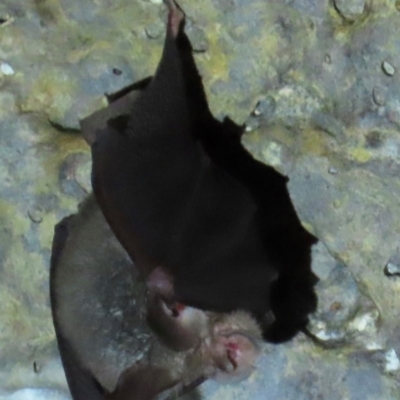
(178, 190)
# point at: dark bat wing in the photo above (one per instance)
(179, 190)
(98, 120)
(82, 384)
(169, 203)
(120, 104)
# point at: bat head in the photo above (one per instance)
(237, 340)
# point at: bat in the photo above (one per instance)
(179, 190)
(118, 338)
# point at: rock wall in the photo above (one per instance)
(317, 83)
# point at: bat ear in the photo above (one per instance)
(236, 355)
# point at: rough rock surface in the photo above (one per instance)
(318, 85)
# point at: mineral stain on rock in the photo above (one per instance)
(374, 139)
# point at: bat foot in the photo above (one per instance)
(175, 17)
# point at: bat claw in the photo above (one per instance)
(175, 17)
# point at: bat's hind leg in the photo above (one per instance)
(175, 17)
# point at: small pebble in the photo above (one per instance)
(378, 94)
(252, 124)
(265, 107)
(197, 37)
(36, 367)
(392, 361)
(392, 269)
(248, 128)
(388, 69)
(154, 31)
(350, 9)
(6, 69)
(35, 214)
(332, 171)
(328, 59)
(156, 1)
(335, 306)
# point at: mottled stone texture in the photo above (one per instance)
(317, 83)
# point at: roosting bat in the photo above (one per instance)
(169, 204)
(179, 190)
(118, 338)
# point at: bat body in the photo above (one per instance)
(179, 190)
(117, 337)
(170, 204)
(184, 220)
